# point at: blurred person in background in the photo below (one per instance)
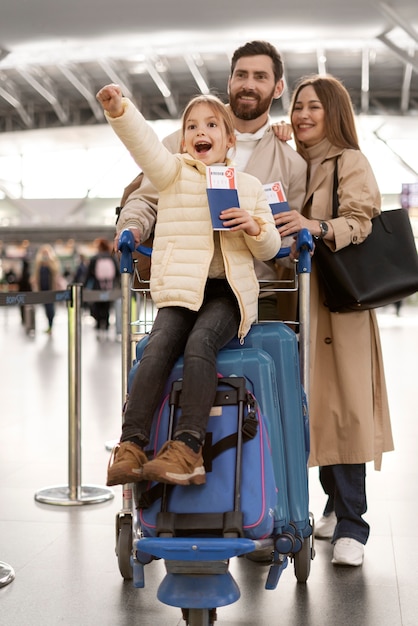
(24, 284)
(102, 274)
(81, 270)
(47, 276)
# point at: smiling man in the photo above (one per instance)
(256, 79)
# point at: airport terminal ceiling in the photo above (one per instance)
(54, 57)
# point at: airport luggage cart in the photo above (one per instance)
(206, 559)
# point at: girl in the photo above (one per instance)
(202, 281)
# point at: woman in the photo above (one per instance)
(46, 277)
(349, 414)
(102, 274)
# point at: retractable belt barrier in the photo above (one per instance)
(74, 493)
(21, 298)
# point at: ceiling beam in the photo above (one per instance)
(406, 88)
(117, 75)
(401, 160)
(321, 60)
(401, 54)
(398, 21)
(198, 73)
(9, 92)
(40, 81)
(163, 87)
(285, 96)
(365, 79)
(81, 82)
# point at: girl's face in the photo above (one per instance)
(308, 117)
(205, 136)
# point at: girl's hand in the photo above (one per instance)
(110, 97)
(238, 219)
(283, 131)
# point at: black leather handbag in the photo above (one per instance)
(381, 270)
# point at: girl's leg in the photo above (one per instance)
(166, 343)
(216, 324)
(180, 461)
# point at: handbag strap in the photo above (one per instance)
(335, 201)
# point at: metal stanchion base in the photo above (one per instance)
(86, 494)
(6, 574)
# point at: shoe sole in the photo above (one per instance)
(346, 563)
(197, 478)
(123, 477)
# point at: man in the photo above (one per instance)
(255, 80)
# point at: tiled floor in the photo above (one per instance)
(63, 556)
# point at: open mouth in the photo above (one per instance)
(202, 146)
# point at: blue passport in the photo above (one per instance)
(279, 207)
(219, 200)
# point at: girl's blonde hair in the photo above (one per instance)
(217, 106)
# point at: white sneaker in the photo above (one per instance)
(325, 526)
(348, 551)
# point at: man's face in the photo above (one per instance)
(252, 87)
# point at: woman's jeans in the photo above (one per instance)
(345, 486)
(199, 336)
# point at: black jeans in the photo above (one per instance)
(199, 335)
(100, 311)
(345, 486)
(50, 313)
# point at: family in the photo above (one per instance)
(205, 282)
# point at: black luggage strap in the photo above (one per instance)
(210, 451)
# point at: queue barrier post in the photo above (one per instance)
(74, 493)
(6, 574)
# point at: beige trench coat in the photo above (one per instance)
(349, 413)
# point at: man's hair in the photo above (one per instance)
(253, 48)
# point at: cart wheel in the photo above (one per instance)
(124, 548)
(302, 561)
(199, 617)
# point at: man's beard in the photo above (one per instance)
(252, 110)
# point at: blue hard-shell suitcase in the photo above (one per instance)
(281, 343)
(258, 368)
